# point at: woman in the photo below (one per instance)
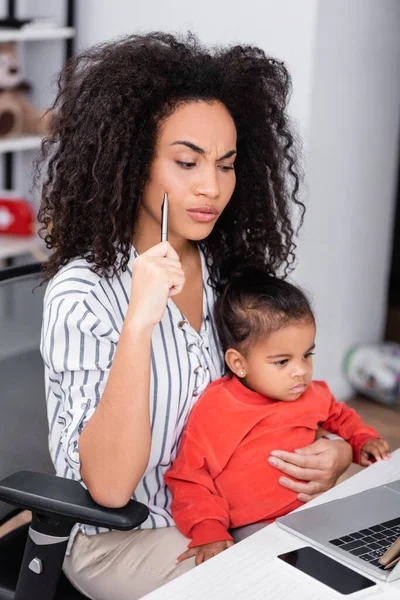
(128, 319)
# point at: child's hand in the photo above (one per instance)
(204, 552)
(378, 448)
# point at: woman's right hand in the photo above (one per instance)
(317, 466)
(157, 275)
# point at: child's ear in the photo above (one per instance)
(236, 362)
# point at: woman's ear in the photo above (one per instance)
(236, 362)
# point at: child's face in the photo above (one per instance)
(279, 366)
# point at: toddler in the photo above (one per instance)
(223, 476)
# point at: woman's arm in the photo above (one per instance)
(318, 465)
(114, 446)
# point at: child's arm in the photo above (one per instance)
(205, 551)
(348, 424)
(199, 511)
(377, 448)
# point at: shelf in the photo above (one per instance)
(13, 245)
(36, 33)
(21, 143)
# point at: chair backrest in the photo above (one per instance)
(23, 418)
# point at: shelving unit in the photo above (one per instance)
(21, 143)
(32, 34)
(12, 246)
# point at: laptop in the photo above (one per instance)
(362, 530)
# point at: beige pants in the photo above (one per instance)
(125, 565)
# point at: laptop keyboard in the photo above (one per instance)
(370, 544)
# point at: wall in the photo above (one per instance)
(344, 256)
(284, 29)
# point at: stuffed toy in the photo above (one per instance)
(374, 370)
(17, 115)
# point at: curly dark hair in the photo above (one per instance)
(254, 305)
(110, 102)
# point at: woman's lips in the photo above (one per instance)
(203, 214)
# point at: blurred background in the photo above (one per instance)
(344, 58)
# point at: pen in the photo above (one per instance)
(164, 219)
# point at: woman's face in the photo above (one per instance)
(194, 157)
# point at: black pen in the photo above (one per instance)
(164, 219)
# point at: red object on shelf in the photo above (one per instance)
(16, 216)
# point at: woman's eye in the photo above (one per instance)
(227, 168)
(185, 165)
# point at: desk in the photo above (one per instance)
(250, 571)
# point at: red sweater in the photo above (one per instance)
(221, 477)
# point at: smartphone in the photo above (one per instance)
(327, 571)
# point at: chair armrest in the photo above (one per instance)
(68, 501)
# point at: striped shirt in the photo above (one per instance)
(83, 317)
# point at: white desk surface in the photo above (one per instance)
(250, 570)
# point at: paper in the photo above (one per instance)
(242, 572)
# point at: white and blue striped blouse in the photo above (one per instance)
(83, 317)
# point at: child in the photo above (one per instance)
(223, 475)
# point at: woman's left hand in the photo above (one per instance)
(318, 465)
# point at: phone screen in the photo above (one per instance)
(326, 570)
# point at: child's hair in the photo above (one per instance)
(256, 304)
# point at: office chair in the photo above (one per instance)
(31, 556)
